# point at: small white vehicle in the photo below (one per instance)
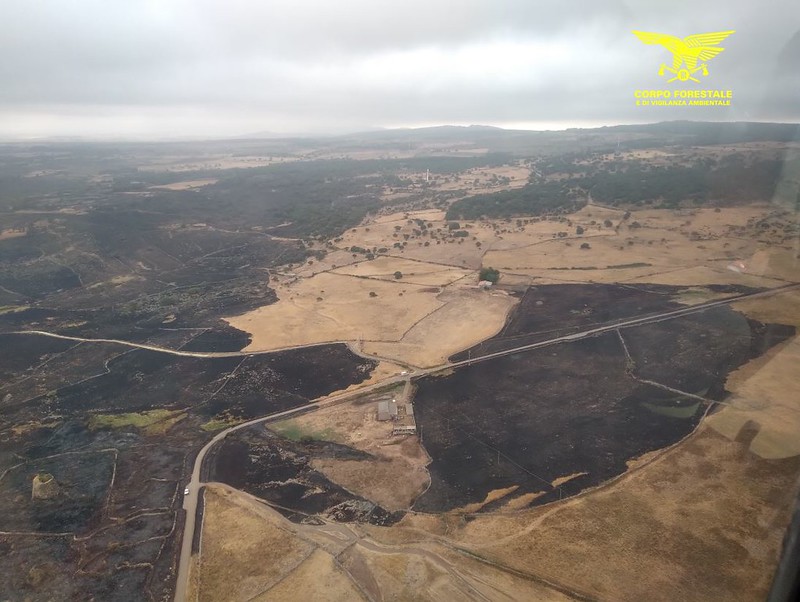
(186, 491)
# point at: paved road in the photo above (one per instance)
(190, 502)
(212, 354)
(191, 499)
(572, 337)
(629, 323)
(167, 350)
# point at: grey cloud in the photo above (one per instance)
(375, 63)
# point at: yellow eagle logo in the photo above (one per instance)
(700, 47)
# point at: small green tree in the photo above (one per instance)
(490, 274)
(398, 274)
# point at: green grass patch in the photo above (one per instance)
(218, 424)
(695, 295)
(293, 431)
(152, 421)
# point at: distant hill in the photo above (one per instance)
(522, 142)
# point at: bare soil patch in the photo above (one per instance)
(212, 162)
(280, 470)
(346, 311)
(187, 185)
(468, 316)
(12, 233)
(429, 215)
(712, 509)
(243, 552)
(405, 319)
(344, 297)
(393, 474)
(666, 519)
(766, 397)
(413, 272)
(318, 578)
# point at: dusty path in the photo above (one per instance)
(158, 349)
(190, 500)
(649, 319)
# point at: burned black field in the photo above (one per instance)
(581, 409)
(118, 429)
(98, 439)
(279, 470)
(546, 312)
(97, 252)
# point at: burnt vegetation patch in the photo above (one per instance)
(76, 487)
(138, 380)
(29, 568)
(554, 310)
(580, 409)
(111, 504)
(89, 248)
(28, 353)
(279, 470)
(278, 381)
(118, 429)
(221, 338)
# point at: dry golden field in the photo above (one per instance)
(702, 520)
(417, 301)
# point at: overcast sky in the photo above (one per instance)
(165, 68)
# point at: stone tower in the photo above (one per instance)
(44, 487)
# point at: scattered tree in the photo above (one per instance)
(398, 274)
(490, 274)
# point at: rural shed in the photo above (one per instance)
(387, 410)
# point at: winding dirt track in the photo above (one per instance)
(195, 485)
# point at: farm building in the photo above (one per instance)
(405, 430)
(387, 410)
